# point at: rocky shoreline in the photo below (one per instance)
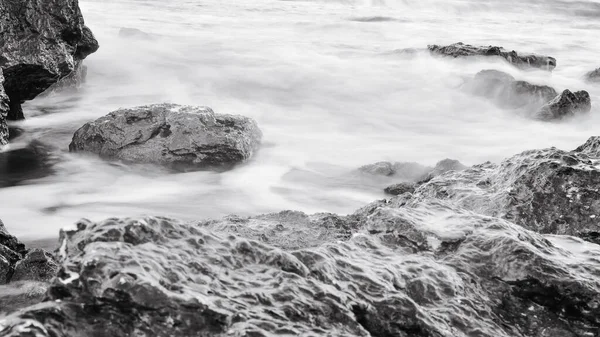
(490, 250)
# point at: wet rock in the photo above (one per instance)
(567, 104)
(11, 251)
(31, 161)
(179, 137)
(442, 167)
(507, 92)
(522, 61)
(134, 33)
(18, 295)
(37, 265)
(41, 41)
(547, 191)
(593, 76)
(70, 83)
(4, 109)
(423, 269)
(400, 188)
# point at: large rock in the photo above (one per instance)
(567, 104)
(507, 92)
(409, 269)
(4, 109)
(522, 61)
(41, 42)
(593, 76)
(180, 137)
(547, 191)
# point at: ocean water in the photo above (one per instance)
(327, 85)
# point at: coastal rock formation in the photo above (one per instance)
(411, 268)
(593, 76)
(4, 109)
(507, 92)
(41, 42)
(179, 137)
(547, 191)
(567, 104)
(522, 61)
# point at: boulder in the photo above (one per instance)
(400, 188)
(548, 191)
(41, 42)
(593, 76)
(522, 61)
(36, 265)
(179, 137)
(4, 109)
(567, 104)
(409, 268)
(507, 92)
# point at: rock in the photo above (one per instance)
(179, 137)
(37, 265)
(567, 104)
(547, 191)
(41, 42)
(522, 61)
(442, 167)
(72, 82)
(382, 168)
(593, 76)
(134, 33)
(11, 251)
(18, 295)
(34, 160)
(4, 109)
(411, 268)
(400, 188)
(507, 92)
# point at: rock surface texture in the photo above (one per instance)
(4, 110)
(179, 137)
(41, 42)
(522, 61)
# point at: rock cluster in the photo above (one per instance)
(179, 137)
(522, 61)
(41, 42)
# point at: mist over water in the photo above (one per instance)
(326, 84)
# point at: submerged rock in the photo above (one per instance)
(400, 188)
(547, 191)
(4, 109)
(420, 270)
(179, 137)
(593, 76)
(567, 104)
(134, 33)
(521, 61)
(41, 42)
(507, 92)
(33, 160)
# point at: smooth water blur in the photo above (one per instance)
(327, 85)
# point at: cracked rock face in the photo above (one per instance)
(522, 61)
(548, 191)
(411, 269)
(41, 42)
(175, 136)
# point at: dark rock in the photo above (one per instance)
(425, 269)
(134, 33)
(41, 41)
(180, 137)
(4, 109)
(547, 191)
(37, 265)
(522, 61)
(32, 161)
(567, 104)
(11, 251)
(593, 76)
(442, 167)
(507, 92)
(400, 188)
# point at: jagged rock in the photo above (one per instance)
(521, 61)
(134, 33)
(548, 191)
(180, 137)
(507, 92)
(593, 76)
(567, 104)
(400, 188)
(41, 41)
(418, 269)
(4, 109)
(37, 265)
